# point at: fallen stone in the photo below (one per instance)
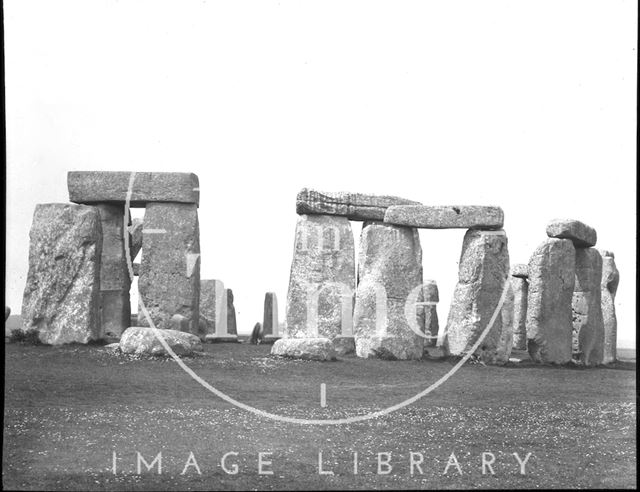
(580, 233)
(143, 341)
(431, 326)
(608, 289)
(270, 323)
(62, 293)
(520, 270)
(322, 279)
(232, 328)
(520, 288)
(386, 317)
(113, 347)
(92, 187)
(169, 281)
(304, 348)
(549, 316)
(482, 276)
(354, 206)
(135, 237)
(445, 217)
(115, 283)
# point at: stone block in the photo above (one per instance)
(445, 217)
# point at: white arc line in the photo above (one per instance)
(294, 420)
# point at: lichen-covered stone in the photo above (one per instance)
(169, 281)
(389, 273)
(549, 315)
(520, 288)
(62, 294)
(608, 289)
(92, 187)
(322, 278)
(144, 341)
(354, 206)
(482, 277)
(520, 270)
(320, 349)
(582, 235)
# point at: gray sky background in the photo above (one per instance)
(526, 105)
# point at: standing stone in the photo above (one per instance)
(270, 325)
(322, 280)
(389, 285)
(520, 287)
(115, 310)
(431, 298)
(232, 328)
(549, 316)
(62, 294)
(135, 238)
(214, 312)
(588, 324)
(354, 206)
(7, 312)
(505, 342)
(169, 281)
(483, 272)
(609, 287)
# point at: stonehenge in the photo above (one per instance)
(608, 289)
(559, 307)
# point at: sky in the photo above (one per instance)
(528, 105)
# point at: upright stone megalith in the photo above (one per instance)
(322, 279)
(169, 280)
(232, 327)
(214, 312)
(431, 298)
(482, 277)
(549, 315)
(588, 324)
(520, 285)
(270, 326)
(609, 287)
(386, 319)
(62, 294)
(115, 283)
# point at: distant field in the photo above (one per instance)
(67, 409)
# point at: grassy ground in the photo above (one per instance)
(67, 409)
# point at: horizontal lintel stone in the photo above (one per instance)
(446, 217)
(90, 187)
(354, 206)
(582, 235)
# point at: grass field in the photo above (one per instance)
(68, 409)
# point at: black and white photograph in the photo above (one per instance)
(320, 245)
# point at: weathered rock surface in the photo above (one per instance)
(588, 323)
(520, 270)
(270, 325)
(169, 281)
(213, 308)
(232, 327)
(135, 237)
(143, 341)
(354, 206)
(505, 342)
(322, 278)
(304, 348)
(580, 233)
(520, 288)
(390, 280)
(115, 310)
(344, 345)
(111, 186)
(445, 217)
(609, 287)
(62, 294)
(482, 275)
(179, 323)
(549, 315)
(431, 326)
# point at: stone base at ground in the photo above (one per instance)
(321, 349)
(62, 293)
(143, 341)
(213, 338)
(344, 345)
